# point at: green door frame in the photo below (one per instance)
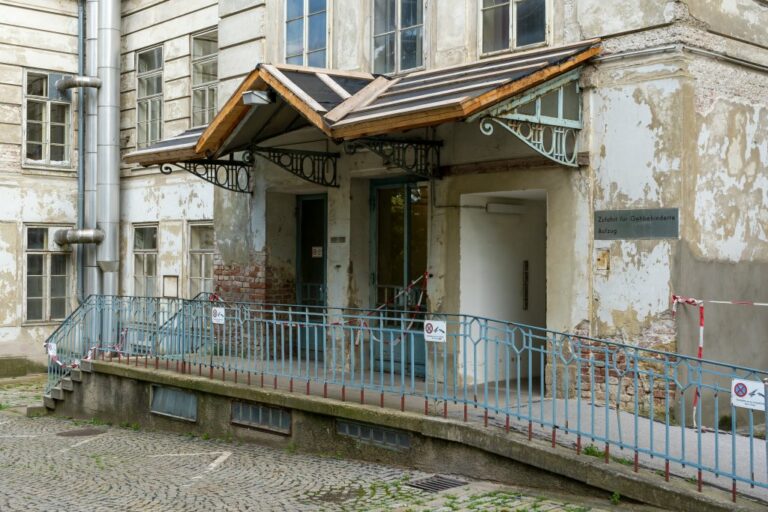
(399, 182)
(300, 199)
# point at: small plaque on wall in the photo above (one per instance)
(655, 223)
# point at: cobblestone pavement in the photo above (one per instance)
(49, 463)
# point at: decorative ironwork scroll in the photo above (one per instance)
(419, 157)
(558, 143)
(547, 118)
(313, 166)
(230, 174)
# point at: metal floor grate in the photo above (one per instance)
(436, 483)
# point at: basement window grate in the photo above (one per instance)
(371, 434)
(436, 483)
(174, 403)
(263, 417)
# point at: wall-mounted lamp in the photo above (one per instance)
(258, 98)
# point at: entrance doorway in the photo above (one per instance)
(503, 243)
(311, 248)
(400, 225)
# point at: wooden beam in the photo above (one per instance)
(229, 116)
(297, 103)
(333, 72)
(504, 92)
(335, 87)
(297, 91)
(453, 111)
(363, 97)
(162, 157)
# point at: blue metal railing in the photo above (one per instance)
(573, 389)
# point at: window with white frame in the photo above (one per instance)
(205, 75)
(145, 261)
(47, 278)
(200, 260)
(306, 32)
(398, 35)
(149, 97)
(513, 23)
(46, 134)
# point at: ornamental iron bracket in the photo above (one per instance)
(232, 175)
(313, 166)
(547, 119)
(557, 143)
(419, 157)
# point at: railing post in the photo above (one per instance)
(765, 400)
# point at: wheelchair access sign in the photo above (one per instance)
(434, 331)
(749, 394)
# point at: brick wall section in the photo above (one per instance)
(254, 282)
(241, 283)
(606, 373)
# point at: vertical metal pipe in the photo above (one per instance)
(80, 143)
(92, 284)
(108, 173)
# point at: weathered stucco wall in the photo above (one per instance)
(725, 254)
(36, 35)
(176, 201)
(637, 119)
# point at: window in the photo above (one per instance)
(145, 261)
(513, 23)
(306, 32)
(205, 74)
(46, 140)
(48, 279)
(200, 260)
(149, 68)
(398, 34)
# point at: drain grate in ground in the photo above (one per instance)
(81, 432)
(436, 483)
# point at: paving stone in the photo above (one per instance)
(127, 470)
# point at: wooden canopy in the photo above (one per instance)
(349, 105)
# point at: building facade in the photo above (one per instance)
(665, 116)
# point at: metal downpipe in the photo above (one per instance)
(92, 285)
(80, 146)
(108, 181)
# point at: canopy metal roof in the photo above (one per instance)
(351, 105)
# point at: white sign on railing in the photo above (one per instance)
(218, 315)
(749, 394)
(434, 330)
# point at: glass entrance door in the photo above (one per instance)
(401, 217)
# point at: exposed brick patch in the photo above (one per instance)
(241, 283)
(617, 376)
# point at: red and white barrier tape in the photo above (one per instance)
(689, 301)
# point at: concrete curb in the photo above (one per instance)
(644, 486)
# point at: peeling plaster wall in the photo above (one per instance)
(725, 254)
(637, 131)
(174, 202)
(36, 35)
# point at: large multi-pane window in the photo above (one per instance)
(149, 97)
(145, 261)
(47, 278)
(398, 35)
(513, 23)
(200, 260)
(205, 75)
(306, 32)
(46, 137)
